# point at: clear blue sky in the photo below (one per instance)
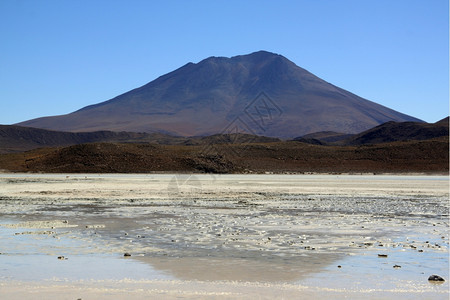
(58, 56)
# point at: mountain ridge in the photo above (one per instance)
(385, 133)
(18, 139)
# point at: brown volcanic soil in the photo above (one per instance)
(429, 156)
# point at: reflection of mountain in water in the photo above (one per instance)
(263, 269)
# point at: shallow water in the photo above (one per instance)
(278, 229)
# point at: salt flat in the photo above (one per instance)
(223, 236)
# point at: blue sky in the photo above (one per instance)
(58, 56)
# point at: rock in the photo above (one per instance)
(382, 255)
(61, 257)
(127, 254)
(397, 267)
(339, 266)
(436, 278)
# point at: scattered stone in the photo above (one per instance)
(397, 267)
(95, 226)
(436, 278)
(40, 224)
(420, 250)
(62, 258)
(339, 266)
(382, 255)
(35, 232)
(127, 254)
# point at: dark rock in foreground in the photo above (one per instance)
(436, 278)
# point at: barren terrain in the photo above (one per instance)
(429, 156)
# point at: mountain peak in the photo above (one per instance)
(261, 55)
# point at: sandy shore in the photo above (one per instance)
(224, 237)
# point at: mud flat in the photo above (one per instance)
(222, 237)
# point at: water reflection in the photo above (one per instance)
(263, 269)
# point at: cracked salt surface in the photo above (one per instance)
(275, 229)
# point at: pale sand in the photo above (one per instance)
(224, 237)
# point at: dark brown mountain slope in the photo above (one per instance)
(261, 93)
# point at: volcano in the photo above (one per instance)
(260, 93)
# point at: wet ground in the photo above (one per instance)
(319, 234)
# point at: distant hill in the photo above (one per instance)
(238, 138)
(444, 122)
(17, 138)
(260, 94)
(384, 133)
(323, 137)
(403, 131)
